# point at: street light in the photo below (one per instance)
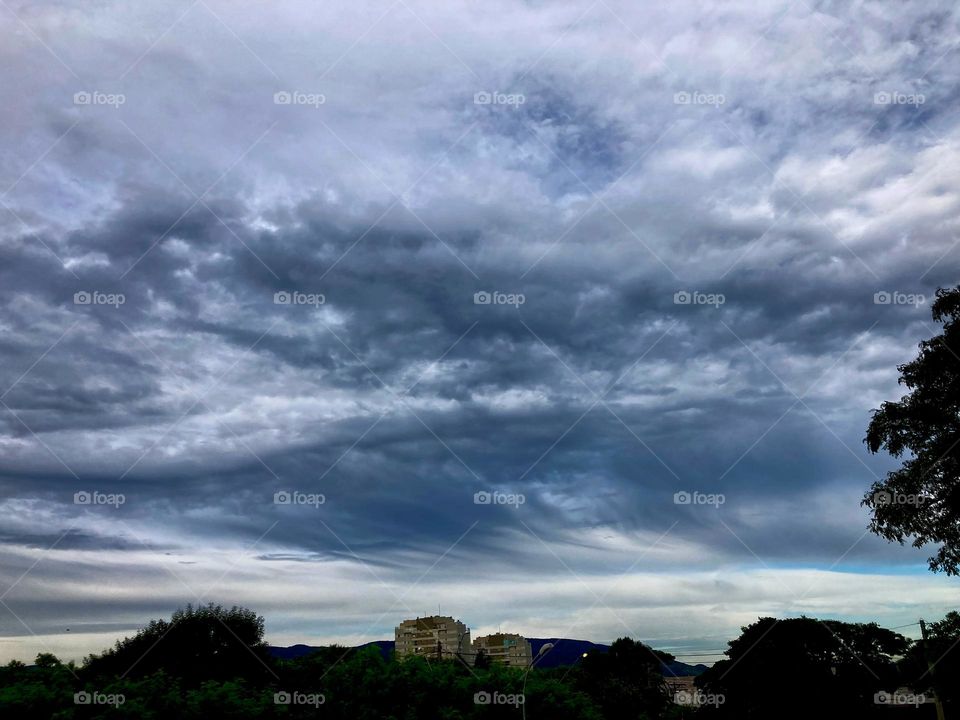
(544, 649)
(460, 637)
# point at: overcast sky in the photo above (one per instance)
(241, 246)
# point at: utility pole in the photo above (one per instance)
(933, 681)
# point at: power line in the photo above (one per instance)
(903, 626)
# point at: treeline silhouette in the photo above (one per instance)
(212, 662)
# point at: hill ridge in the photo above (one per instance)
(565, 652)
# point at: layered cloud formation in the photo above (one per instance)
(573, 314)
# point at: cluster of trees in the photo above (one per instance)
(804, 667)
(211, 662)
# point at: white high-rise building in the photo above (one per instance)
(507, 648)
(436, 636)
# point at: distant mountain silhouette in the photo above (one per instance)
(682, 669)
(564, 652)
(292, 652)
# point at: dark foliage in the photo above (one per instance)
(785, 669)
(943, 651)
(802, 668)
(196, 644)
(626, 681)
(920, 501)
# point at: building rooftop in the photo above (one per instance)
(430, 622)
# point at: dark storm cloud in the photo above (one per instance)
(404, 313)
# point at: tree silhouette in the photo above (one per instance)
(803, 667)
(196, 644)
(921, 500)
(482, 660)
(627, 681)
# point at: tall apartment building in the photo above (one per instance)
(436, 636)
(506, 648)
